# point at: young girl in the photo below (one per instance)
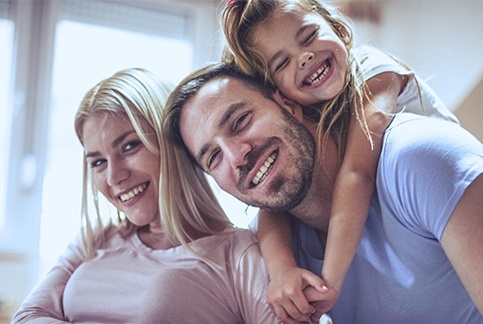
(306, 50)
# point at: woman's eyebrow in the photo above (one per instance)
(114, 143)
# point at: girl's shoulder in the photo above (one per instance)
(373, 61)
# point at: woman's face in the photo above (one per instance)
(307, 60)
(123, 169)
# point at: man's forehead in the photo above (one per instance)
(215, 96)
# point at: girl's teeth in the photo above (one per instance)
(317, 76)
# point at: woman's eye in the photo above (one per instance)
(131, 145)
(96, 163)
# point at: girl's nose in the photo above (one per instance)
(305, 58)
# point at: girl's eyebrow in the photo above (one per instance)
(114, 143)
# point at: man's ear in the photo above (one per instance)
(291, 106)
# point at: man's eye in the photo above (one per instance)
(241, 122)
(212, 160)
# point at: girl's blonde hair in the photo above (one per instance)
(241, 18)
(185, 196)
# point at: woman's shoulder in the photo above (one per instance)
(234, 243)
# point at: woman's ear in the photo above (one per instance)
(291, 106)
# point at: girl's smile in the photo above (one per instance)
(307, 60)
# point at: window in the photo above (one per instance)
(6, 37)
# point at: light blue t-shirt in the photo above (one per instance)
(400, 273)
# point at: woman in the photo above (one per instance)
(170, 255)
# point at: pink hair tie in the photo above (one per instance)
(229, 1)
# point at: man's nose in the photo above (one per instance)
(305, 58)
(117, 172)
(235, 152)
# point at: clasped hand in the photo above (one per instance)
(299, 296)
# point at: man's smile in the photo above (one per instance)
(264, 169)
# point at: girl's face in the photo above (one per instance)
(306, 58)
(124, 170)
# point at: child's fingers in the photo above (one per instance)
(289, 305)
(311, 279)
(290, 314)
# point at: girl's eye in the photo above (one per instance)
(281, 65)
(311, 37)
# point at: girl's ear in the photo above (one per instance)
(291, 106)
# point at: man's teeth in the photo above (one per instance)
(317, 76)
(133, 193)
(263, 172)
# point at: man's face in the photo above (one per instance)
(254, 148)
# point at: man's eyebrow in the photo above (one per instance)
(233, 108)
(230, 111)
(114, 143)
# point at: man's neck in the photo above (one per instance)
(314, 210)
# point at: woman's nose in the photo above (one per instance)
(117, 173)
(305, 58)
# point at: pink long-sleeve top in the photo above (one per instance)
(127, 282)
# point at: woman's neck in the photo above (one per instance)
(154, 238)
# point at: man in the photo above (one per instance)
(420, 258)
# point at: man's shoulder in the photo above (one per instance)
(413, 126)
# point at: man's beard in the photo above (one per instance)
(285, 192)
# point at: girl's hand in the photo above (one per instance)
(321, 302)
(286, 295)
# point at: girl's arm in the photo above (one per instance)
(285, 291)
(355, 183)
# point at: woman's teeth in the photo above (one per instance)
(263, 172)
(133, 193)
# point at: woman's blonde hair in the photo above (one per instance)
(185, 196)
(241, 18)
